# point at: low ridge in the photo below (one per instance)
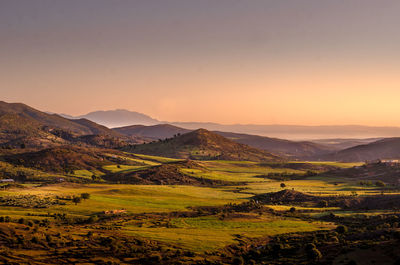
(203, 145)
(388, 148)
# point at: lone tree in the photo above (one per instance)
(85, 196)
(380, 183)
(341, 229)
(283, 185)
(76, 200)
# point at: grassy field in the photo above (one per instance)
(332, 163)
(158, 159)
(204, 232)
(133, 198)
(208, 233)
(236, 171)
(315, 186)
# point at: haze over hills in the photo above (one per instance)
(274, 145)
(388, 148)
(202, 144)
(299, 132)
(117, 118)
(280, 146)
(340, 144)
(122, 118)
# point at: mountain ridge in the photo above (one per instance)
(388, 148)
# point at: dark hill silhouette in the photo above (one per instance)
(388, 148)
(61, 159)
(203, 144)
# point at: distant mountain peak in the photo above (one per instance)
(118, 118)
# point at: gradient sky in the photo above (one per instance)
(308, 62)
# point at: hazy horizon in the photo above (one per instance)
(221, 123)
(306, 62)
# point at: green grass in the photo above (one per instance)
(207, 233)
(217, 175)
(287, 208)
(332, 163)
(312, 186)
(123, 168)
(133, 198)
(246, 167)
(236, 171)
(86, 174)
(31, 174)
(158, 158)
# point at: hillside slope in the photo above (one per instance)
(279, 146)
(202, 144)
(388, 148)
(20, 123)
(61, 159)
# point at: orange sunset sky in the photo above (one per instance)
(259, 61)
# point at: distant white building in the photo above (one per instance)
(6, 180)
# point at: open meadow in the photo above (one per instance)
(196, 221)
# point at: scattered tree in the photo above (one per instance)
(77, 200)
(85, 196)
(380, 183)
(341, 229)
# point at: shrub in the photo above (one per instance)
(314, 254)
(85, 196)
(380, 183)
(156, 258)
(35, 240)
(323, 203)
(310, 246)
(77, 200)
(238, 261)
(341, 229)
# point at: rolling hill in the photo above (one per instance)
(273, 145)
(20, 123)
(61, 159)
(388, 148)
(279, 146)
(341, 144)
(202, 144)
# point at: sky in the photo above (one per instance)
(307, 62)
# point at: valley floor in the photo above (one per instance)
(109, 223)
